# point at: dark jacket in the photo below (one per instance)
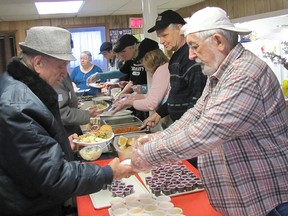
(37, 173)
(187, 83)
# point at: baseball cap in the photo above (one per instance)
(124, 41)
(165, 18)
(49, 40)
(211, 18)
(106, 46)
(146, 46)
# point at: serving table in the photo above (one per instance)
(192, 204)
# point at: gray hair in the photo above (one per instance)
(175, 26)
(88, 54)
(231, 37)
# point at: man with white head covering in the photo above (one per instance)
(186, 78)
(37, 171)
(238, 128)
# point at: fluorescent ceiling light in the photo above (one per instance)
(58, 7)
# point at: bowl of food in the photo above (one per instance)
(123, 145)
(99, 137)
(91, 153)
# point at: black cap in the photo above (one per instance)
(146, 46)
(165, 19)
(124, 41)
(106, 46)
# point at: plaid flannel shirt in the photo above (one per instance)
(239, 130)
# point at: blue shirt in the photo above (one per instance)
(79, 78)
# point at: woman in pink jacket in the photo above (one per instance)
(155, 62)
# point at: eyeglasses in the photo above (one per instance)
(194, 46)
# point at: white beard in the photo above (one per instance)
(211, 69)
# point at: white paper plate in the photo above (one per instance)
(120, 113)
(96, 85)
(94, 143)
(83, 90)
(102, 198)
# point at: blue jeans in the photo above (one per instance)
(280, 210)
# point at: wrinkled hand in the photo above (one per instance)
(120, 170)
(120, 105)
(121, 97)
(144, 139)
(136, 88)
(152, 120)
(73, 145)
(111, 85)
(93, 112)
(138, 162)
(122, 84)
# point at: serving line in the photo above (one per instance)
(192, 204)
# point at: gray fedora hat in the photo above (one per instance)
(49, 40)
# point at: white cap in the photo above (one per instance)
(211, 18)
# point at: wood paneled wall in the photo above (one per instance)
(238, 8)
(234, 8)
(110, 22)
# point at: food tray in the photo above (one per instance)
(127, 120)
(102, 198)
(111, 114)
(125, 153)
(172, 167)
(131, 135)
(127, 124)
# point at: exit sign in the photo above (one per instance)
(135, 22)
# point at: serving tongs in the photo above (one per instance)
(111, 108)
(144, 128)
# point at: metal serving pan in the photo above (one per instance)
(125, 125)
(123, 120)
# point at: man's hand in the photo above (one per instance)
(143, 139)
(93, 112)
(73, 145)
(122, 84)
(152, 120)
(120, 170)
(138, 162)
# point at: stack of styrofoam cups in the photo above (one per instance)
(142, 205)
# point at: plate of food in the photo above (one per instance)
(99, 106)
(97, 85)
(94, 138)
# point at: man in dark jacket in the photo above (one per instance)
(186, 78)
(37, 171)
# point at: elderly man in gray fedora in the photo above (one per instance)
(37, 171)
